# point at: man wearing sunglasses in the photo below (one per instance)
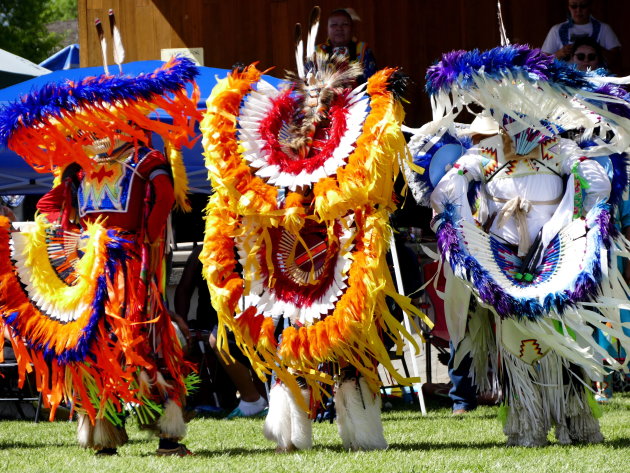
(581, 24)
(587, 54)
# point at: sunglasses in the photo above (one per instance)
(584, 56)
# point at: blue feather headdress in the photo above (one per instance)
(48, 127)
(530, 93)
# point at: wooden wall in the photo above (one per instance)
(407, 33)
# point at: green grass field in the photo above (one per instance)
(435, 443)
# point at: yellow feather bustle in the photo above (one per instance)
(245, 206)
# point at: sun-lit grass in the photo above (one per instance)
(435, 443)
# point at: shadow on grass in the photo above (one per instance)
(45, 443)
(403, 447)
(616, 443)
(264, 451)
(396, 446)
(445, 446)
(232, 452)
(8, 444)
(396, 416)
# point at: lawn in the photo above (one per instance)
(435, 443)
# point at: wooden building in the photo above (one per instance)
(411, 34)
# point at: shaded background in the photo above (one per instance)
(411, 34)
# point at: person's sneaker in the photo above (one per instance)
(460, 412)
(601, 398)
(249, 409)
(180, 450)
(238, 413)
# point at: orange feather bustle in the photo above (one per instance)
(116, 349)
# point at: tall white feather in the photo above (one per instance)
(299, 51)
(312, 34)
(504, 39)
(299, 59)
(118, 48)
(103, 41)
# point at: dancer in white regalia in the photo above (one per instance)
(523, 219)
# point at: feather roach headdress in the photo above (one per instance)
(318, 81)
(530, 94)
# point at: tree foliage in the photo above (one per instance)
(23, 26)
(61, 10)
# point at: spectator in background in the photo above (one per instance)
(581, 24)
(341, 40)
(587, 54)
(252, 402)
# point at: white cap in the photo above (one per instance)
(483, 124)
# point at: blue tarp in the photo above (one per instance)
(16, 177)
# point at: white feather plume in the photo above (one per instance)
(504, 38)
(299, 51)
(312, 34)
(103, 41)
(118, 48)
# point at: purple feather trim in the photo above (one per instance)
(458, 68)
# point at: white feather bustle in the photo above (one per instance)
(286, 423)
(359, 416)
(171, 423)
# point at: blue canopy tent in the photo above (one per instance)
(16, 177)
(67, 58)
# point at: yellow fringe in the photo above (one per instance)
(180, 178)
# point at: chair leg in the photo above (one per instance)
(428, 361)
(39, 407)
